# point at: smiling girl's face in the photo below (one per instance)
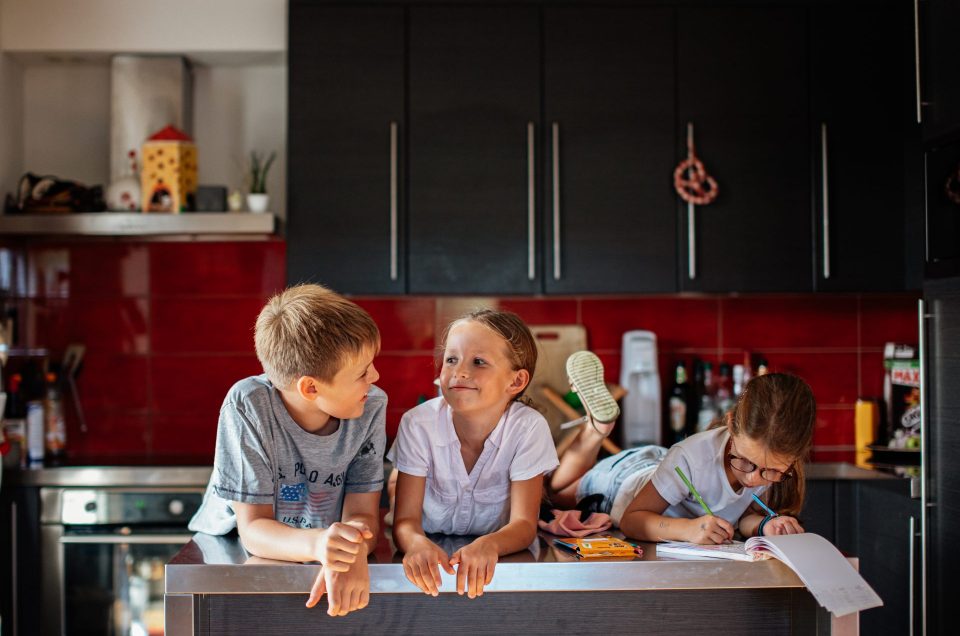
(477, 374)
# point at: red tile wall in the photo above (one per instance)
(168, 328)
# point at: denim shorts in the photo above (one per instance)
(606, 477)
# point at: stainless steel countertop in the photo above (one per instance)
(842, 470)
(198, 475)
(105, 476)
(220, 565)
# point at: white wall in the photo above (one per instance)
(168, 26)
(236, 110)
(55, 83)
(11, 136)
(66, 121)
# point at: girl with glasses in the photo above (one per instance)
(758, 447)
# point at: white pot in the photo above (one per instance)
(258, 202)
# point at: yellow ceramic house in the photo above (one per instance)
(169, 176)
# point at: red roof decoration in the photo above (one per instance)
(169, 133)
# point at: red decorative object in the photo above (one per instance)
(952, 186)
(690, 179)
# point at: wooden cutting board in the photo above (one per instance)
(555, 343)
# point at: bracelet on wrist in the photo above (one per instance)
(763, 523)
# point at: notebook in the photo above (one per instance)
(824, 571)
(735, 550)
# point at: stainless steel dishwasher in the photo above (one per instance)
(104, 550)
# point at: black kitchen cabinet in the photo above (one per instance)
(743, 84)
(939, 66)
(941, 404)
(861, 100)
(609, 223)
(346, 112)
(877, 521)
(474, 114)
(942, 209)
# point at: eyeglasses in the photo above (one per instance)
(746, 466)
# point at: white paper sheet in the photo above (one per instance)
(826, 573)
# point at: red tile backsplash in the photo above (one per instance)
(406, 324)
(184, 325)
(114, 381)
(214, 269)
(169, 328)
(197, 383)
(888, 319)
(678, 322)
(774, 322)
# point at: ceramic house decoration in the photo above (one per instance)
(169, 176)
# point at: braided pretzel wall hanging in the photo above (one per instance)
(690, 178)
(952, 186)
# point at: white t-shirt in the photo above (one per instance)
(701, 457)
(454, 502)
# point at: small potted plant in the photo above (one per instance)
(258, 200)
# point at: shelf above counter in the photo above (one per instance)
(137, 224)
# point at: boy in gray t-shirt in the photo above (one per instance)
(298, 468)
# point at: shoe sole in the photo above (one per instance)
(586, 375)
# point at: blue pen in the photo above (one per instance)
(764, 506)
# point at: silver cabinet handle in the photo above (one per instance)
(531, 201)
(556, 201)
(825, 218)
(14, 583)
(923, 466)
(913, 549)
(916, 57)
(393, 200)
(691, 223)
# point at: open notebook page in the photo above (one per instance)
(826, 573)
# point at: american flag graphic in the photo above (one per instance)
(296, 500)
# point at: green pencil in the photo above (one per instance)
(693, 491)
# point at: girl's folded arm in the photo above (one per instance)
(644, 520)
(408, 516)
(521, 530)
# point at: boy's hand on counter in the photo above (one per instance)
(475, 563)
(420, 565)
(347, 591)
(338, 546)
(782, 525)
(709, 530)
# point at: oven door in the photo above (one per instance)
(113, 583)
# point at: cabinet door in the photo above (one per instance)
(886, 550)
(346, 97)
(742, 76)
(474, 108)
(860, 117)
(940, 61)
(609, 96)
(942, 439)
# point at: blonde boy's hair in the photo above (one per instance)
(310, 330)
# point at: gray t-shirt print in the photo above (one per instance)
(264, 457)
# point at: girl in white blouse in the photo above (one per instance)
(472, 462)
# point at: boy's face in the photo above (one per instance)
(345, 396)
(476, 373)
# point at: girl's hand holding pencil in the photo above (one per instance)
(709, 530)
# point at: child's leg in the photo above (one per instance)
(580, 457)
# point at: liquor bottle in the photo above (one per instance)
(706, 406)
(724, 397)
(681, 396)
(55, 436)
